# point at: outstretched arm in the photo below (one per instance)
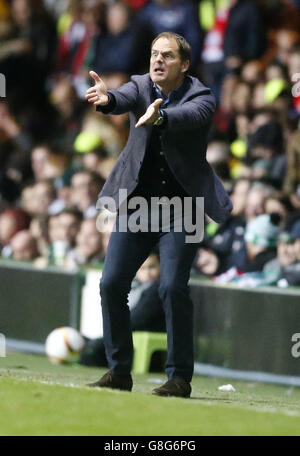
(192, 114)
(113, 101)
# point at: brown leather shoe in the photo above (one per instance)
(174, 387)
(114, 381)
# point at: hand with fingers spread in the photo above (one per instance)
(151, 115)
(98, 93)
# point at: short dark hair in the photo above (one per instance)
(74, 212)
(184, 48)
(96, 178)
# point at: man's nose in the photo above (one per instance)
(159, 58)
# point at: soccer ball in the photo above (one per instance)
(63, 345)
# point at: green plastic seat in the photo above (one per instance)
(145, 344)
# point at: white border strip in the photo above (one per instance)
(25, 346)
(208, 370)
(214, 371)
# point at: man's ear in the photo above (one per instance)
(185, 66)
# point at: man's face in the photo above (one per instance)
(166, 66)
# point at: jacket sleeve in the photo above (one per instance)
(191, 115)
(125, 99)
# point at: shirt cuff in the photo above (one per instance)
(110, 106)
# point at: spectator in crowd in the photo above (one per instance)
(266, 152)
(227, 242)
(15, 143)
(84, 20)
(111, 53)
(218, 157)
(297, 4)
(106, 227)
(234, 35)
(256, 198)
(39, 231)
(252, 72)
(12, 221)
(239, 196)
(88, 250)
(207, 262)
(93, 156)
(44, 198)
(293, 67)
(285, 40)
(260, 117)
(292, 176)
(280, 204)
(28, 42)
(47, 163)
(62, 232)
(27, 202)
(23, 246)
(54, 232)
(241, 98)
(260, 238)
(69, 225)
(69, 110)
(85, 188)
(9, 191)
(284, 270)
(174, 16)
(92, 153)
(103, 128)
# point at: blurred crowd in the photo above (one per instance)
(56, 152)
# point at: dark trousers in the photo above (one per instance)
(126, 253)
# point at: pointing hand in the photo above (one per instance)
(98, 93)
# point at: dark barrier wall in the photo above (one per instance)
(246, 329)
(33, 302)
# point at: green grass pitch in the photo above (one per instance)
(38, 398)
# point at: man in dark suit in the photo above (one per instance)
(170, 113)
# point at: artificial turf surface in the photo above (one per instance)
(37, 398)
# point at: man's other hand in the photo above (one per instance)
(98, 93)
(151, 115)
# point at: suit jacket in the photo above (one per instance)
(184, 142)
